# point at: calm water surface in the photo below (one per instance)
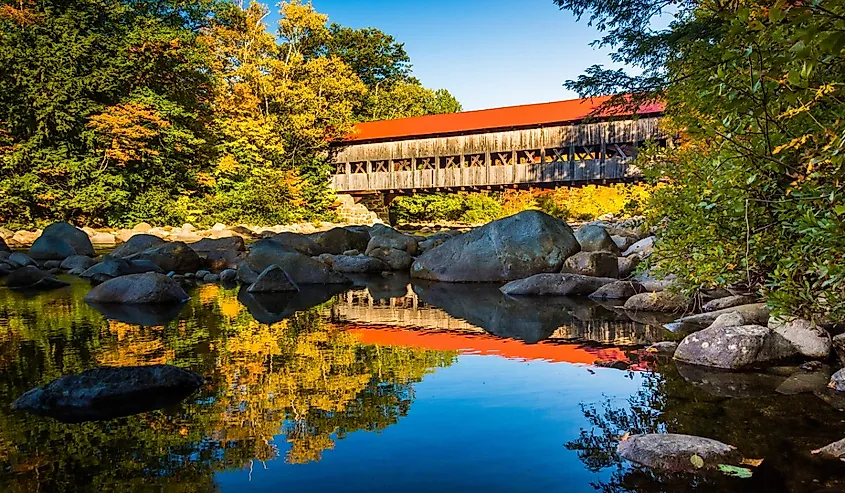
(389, 387)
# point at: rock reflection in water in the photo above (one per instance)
(270, 308)
(143, 315)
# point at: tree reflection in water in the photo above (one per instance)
(300, 376)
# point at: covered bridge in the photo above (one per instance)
(550, 144)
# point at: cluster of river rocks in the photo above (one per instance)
(530, 254)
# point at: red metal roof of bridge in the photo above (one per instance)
(508, 117)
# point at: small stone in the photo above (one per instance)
(661, 301)
(727, 302)
(211, 278)
(837, 381)
(202, 273)
(351, 253)
(228, 275)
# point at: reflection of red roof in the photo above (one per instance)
(487, 344)
(529, 115)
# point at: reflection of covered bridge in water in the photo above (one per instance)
(597, 324)
(549, 144)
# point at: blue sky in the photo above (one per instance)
(488, 53)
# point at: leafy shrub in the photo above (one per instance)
(592, 201)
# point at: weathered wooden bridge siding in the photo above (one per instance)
(548, 155)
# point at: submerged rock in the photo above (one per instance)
(30, 277)
(515, 247)
(597, 264)
(730, 384)
(734, 348)
(672, 452)
(145, 288)
(594, 238)
(273, 280)
(556, 285)
(109, 392)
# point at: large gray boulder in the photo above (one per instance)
(598, 264)
(734, 348)
(273, 280)
(136, 244)
(671, 452)
(594, 238)
(339, 240)
(556, 285)
(59, 241)
(660, 301)
(642, 248)
(302, 269)
(298, 243)
(112, 267)
(30, 277)
(209, 245)
(173, 256)
(394, 259)
(382, 236)
(618, 290)
(809, 339)
(109, 392)
(138, 289)
(515, 247)
(358, 264)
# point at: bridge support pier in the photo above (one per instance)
(377, 202)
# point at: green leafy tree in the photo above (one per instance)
(753, 88)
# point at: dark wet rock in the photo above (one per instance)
(229, 275)
(617, 290)
(734, 348)
(300, 268)
(837, 381)
(148, 288)
(596, 264)
(803, 381)
(173, 256)
(270, 308)
(642, 248)
(615, 364)
(838, 344)
(112, 267)
(207, 245)
(59, 241)
(3, 246)
(30, 277)
(211, 278)
(74, 262)
(673, 452)
(394, 259)
(358, 264)
(339, 240)
(663, 348)
(201, 273)
(515, 247)
(22, 259)
(245, 274)
(109, 392)
(136, 244)
(730, 384)
(144, 315)
(660, 301)
(627, 265)
(809, 339)
(754, 314)
(51, 264)
(556, 285)
(298, 243)
(273, 280)
(594, 238)
(835, 450)
(529, 319)
(386, 237)
(727, 302)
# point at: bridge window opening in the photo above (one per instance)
(426, 163)
(449, 162)
(359, 167)
(557, 155)
(528, 157)
(503, 159)
(476, 160)
(586, 154)
(340, 168)
(380, 167)
(401, 165)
